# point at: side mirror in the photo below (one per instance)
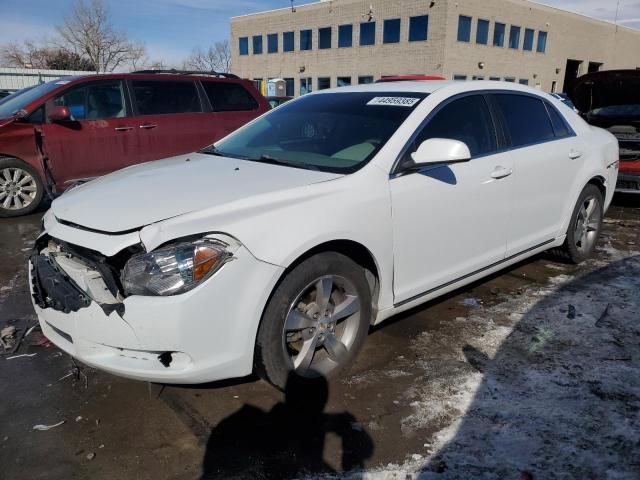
(59, 114)
(440, 151)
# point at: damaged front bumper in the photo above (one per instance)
(203, 335)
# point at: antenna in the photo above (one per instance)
(293, 9)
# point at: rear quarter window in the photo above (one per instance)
(525, 118)
(560, 126)
(229, 97)
(159, 97)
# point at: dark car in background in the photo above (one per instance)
(77, 128)
(4, 94)
(611, 100)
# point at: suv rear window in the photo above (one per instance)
(526, 118)
(154, 97)
(229, 97)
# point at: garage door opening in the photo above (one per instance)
(572, 71)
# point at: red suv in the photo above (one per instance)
(77, 128)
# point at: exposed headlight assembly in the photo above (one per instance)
(175, 268)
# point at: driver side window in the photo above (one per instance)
(96, 101)
(466, 119)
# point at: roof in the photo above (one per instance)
(431, 86)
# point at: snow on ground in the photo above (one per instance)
(543, 385)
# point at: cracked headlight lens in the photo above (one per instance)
(175, 268)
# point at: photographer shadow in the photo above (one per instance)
(286, 442)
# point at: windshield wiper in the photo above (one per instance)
(286, 163)
(211, 150)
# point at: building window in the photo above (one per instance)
(514, 37)
(344, 81)
(288, 41)
(345, 36)
(272, 43)
(306, 43)
(289, 87)
(498, 35)
(391, 33)
(523, 81)
(528, 40)
(365, 80)
(243, 45)
(305, 86)
(482, 32)
(257, 44)
(477, 77)
(510, 79)
(542, 42)
(459, 77)
(324, 38)
(324, 83)
(497, 79)
(368, 33)
(418, 28)
(464, 29)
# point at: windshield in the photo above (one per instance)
(334, 132)
(617, 111)
(13, 103)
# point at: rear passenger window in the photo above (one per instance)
(229, 97)
(467, 120)
(526, 119)
(560, 127)
(162, 97)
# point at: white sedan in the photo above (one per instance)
(275, 250)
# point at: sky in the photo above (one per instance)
(170, 29)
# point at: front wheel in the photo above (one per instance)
(585, 226)
(21, 189)
(316, 321)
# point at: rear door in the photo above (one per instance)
(233, 106)
(170, 117)
(99, 139)
(547, 156)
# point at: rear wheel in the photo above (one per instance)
(21, 189)
(316, 321)
(585, 226)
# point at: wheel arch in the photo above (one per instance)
(600, 182)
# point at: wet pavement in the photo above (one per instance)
(420, 375)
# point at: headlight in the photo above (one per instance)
(174, 269)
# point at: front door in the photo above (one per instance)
(451, 221)
(98, 139)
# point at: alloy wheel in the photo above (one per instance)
(587, 224)
(18, 188)
(321, 325)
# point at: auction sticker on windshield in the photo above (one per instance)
(394, 101)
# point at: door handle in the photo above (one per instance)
(501, 172)
(573, 154)
(148, 126)
(123, 129)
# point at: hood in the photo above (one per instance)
(596, 94)
(143, 194)
(6, 121)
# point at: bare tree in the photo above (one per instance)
(88, 32)
(216, 58)
(29, 55)
(24, 55)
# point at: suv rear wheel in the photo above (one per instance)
(21, 189)
(316, 321)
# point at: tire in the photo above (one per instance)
(582, 236)
(301, 324)
(21, 188)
